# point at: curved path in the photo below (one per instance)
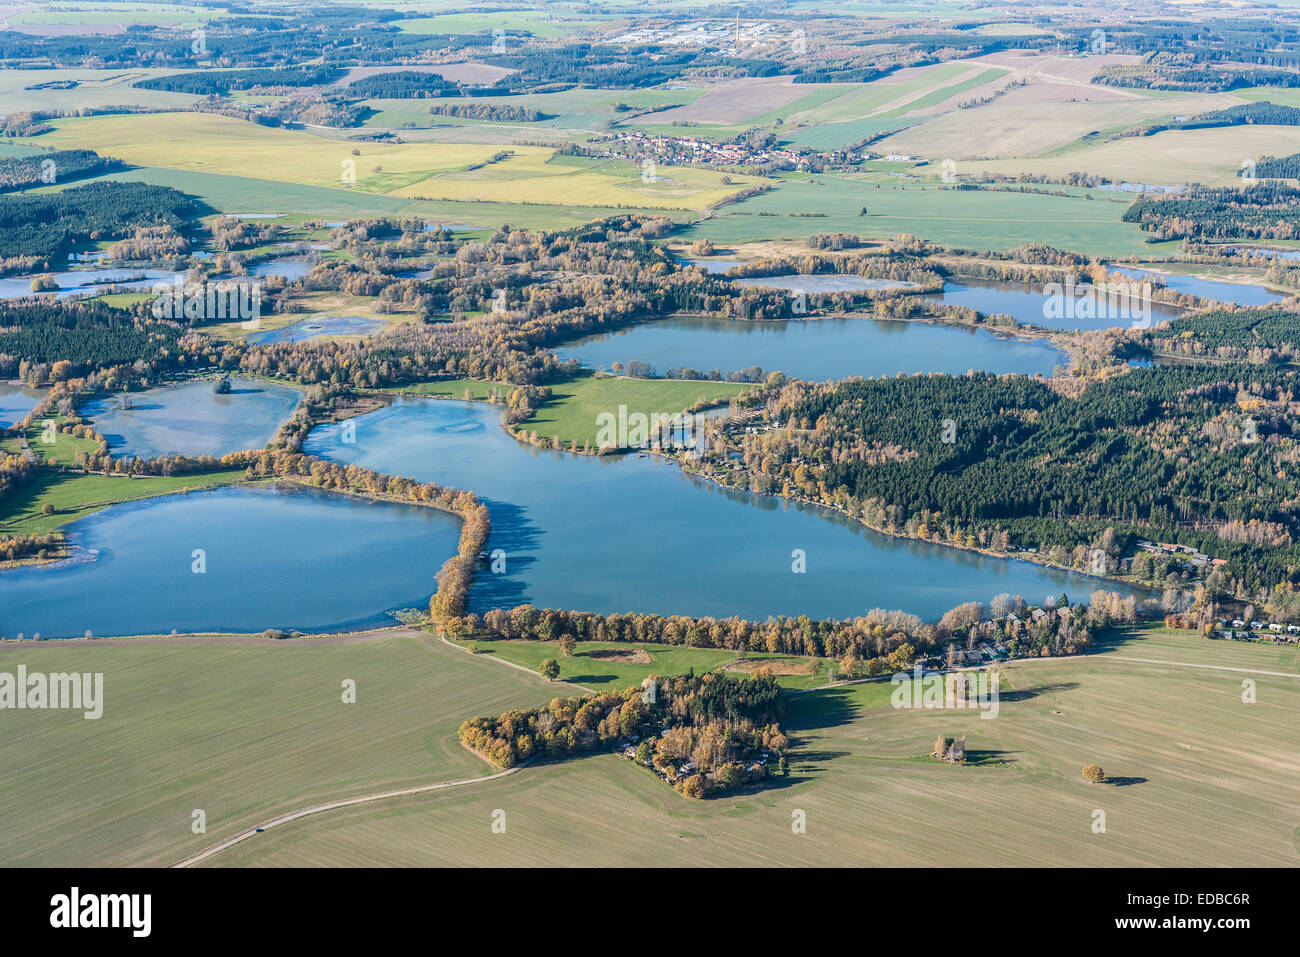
(332, 805)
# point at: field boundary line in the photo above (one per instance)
(528, 671)
(330, 806)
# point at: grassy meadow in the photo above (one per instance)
(94, 89)
(245, 730)
(1197, 778)
(1173, 157)
(459, 172)
(71, 497)
(240, 729)
(572, 412)
(208, 143)
(535, 175)
(979, 220)
(479, 389)
(241, 194)
(612, 666)
(575, 404)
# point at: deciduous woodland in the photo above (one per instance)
(705, 734)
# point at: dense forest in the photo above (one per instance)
(1267, 210)
(994, 461)
(37, 229)
(204, 82)
(56, 166)
(72, 339)
(1263, 335)
(1275, 167)
(1192, 77)
(500, 113)
(1263, 113)
(402, 84)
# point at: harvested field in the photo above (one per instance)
(737, 101)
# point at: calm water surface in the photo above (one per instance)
(74, 282)
(294, 559)
(192, 419)
(817, 349)
(628, 533)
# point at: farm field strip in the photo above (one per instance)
(1178, 742)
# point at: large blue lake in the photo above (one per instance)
(631, 533)
(293, 559)
(817, 349)
(191, 418)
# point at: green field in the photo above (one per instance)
(831, 136)
(479, 389)
(573, 410)
(95, 89)
(830, 115)
(968, 219)
(570, 110)
(239, 729)
(240, 194)
(52, 448)
(458, 172)
(1200, 779)
(1173, 157)
(246, 730)
(75, 496)
(595, 664)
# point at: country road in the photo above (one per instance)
(332, 805)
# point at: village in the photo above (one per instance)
(680, 150)
(1241, 630)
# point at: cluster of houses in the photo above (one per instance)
(984, 652)
(680, 150)
(1241, 630)
(628, 748)
(1184, 552)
